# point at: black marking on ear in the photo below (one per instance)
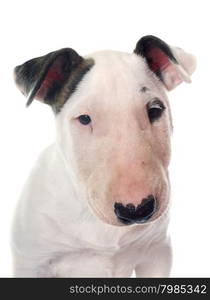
(150, 41)
(73, 82)
(46, 77)
(34, 77)
(156, 52)
(67, 64)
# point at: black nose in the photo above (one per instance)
(130, 214)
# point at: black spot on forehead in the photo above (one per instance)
(144, 89)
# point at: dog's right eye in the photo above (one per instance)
(84, 119)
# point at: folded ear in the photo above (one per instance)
(44, 78)
(170, 64)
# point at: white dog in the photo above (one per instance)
(96, 203)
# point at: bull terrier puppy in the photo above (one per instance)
(97, 201)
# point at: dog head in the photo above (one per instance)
(113, 122)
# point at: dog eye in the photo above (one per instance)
(155, 109)
(84, 119)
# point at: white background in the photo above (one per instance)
(33, 28)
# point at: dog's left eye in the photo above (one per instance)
(155, 108)
(84, 119)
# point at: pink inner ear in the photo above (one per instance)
(158, 60)
(54, 75)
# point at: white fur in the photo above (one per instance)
(55, 232)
